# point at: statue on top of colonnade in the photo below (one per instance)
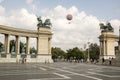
(106, 27)
(47, 22)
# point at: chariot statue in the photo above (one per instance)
(106, 27)
(47, 22)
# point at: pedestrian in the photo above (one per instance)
(103, 60)
(22, 60)
(17, 60)
(110, 61)
(25, 60)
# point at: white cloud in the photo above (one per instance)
(76, 33)
(81, 27)
(115, 24)
(2, 10)
(29, 1)
(20, 18)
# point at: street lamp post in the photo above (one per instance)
(88, 52)
(119, 42)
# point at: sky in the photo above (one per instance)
(84, 27)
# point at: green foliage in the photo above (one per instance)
(58, 53)
(75, 53)
(94, 51)
(85, 54)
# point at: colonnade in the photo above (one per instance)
(43, 36)
(17, 44)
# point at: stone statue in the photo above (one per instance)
(23, 49)
(109, 27)
(40, 24)
(1, 47)
(13, 48)
(106, 27)
(47, 23)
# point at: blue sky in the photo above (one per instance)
(103, 9)
(87, 14)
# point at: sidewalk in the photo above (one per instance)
(114, 62)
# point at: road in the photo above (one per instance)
(58, 71)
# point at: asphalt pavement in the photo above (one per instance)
(58, 71)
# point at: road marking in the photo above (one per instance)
(47, 79)
(42, 68)
(75, 73)
(21, 74)
(96, 70)
(65, 77)
(102, 74)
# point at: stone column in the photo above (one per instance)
(7, 43)
(17, 45)
(106, 52)
(119, 47)
(101, 48)
(38, 46)
(104, 48)
(49, 45)
(27, 45)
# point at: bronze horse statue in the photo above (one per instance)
(106, 27)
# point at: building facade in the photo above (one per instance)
(107, 44)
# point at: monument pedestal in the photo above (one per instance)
(107, 41)
(44, 45)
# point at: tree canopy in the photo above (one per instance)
(94, 51)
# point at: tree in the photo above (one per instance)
(94, 51)
(58, 53)
(75, 53)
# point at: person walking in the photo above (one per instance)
(103, 60)
(110, 61)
